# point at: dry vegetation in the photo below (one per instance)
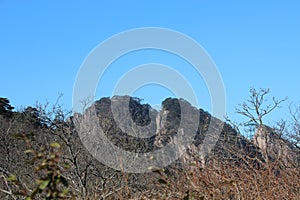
(42, 158)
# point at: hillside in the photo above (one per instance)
(207, 158)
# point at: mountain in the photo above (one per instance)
(179, 151)
(163, 126)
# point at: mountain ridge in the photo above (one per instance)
(233, 156)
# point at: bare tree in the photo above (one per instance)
(294, 133)
(256, 107)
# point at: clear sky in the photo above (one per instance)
(253, 43)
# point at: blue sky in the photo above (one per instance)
(253, 43)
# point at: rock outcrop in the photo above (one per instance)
(275, 148)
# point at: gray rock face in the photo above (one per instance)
(275, 148)
(161, 119)
(211, 139)
(192, 133)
